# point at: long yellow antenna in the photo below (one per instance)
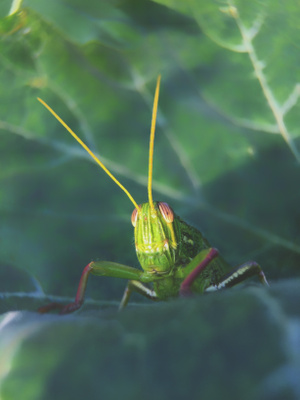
(90, 153)
(151, 145)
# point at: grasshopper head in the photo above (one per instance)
(155, 239)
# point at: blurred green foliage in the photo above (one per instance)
(227, 159)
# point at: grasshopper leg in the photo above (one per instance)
(247, 270)
(136, 286)
(100, 268)
(50, 307)
(65, 309)
(244, 271)
(185, 287)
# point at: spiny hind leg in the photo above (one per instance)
(139, 287)
(239, 274)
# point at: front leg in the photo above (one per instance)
(100, 268)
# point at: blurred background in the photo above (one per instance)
(227, 151)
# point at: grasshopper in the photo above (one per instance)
(176, 259)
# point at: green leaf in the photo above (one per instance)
(230, 345)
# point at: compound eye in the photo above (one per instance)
(134, 217)
(166, 211)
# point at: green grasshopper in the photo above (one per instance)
(175, 258)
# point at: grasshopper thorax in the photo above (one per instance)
(155, 236)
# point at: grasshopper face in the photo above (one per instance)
(155, 237)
